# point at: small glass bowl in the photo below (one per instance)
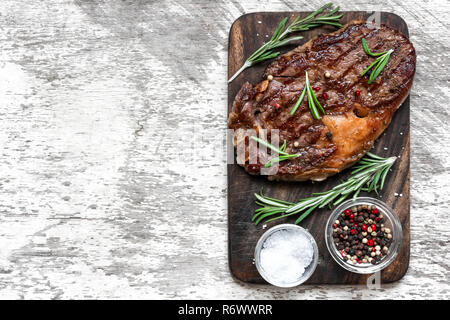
(308, 271)
(390, 221)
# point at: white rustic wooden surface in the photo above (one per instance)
(112, 162)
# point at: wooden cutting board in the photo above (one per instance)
(246, 35)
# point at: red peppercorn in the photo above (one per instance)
(356, 225)
(316, 88)
(276, 105)
(324, 95)
(347, 212)
(375, 211)
(370, 243)
(334, 226)
(358, 93)
(364, 227)
(353, 231)
(352, 216)
(374, 227)
(351, 221)
(377, 219)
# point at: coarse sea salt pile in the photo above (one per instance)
(285, 255)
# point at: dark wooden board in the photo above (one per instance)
(246, 35)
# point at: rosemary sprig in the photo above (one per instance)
(367, 50)
(279, 37)
(379, 63)
(283, 155)
(369, 175)
(313, 103)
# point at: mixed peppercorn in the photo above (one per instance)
(361, 236)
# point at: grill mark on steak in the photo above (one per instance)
(354, 47)
(351, 123)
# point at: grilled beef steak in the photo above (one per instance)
(356, 112)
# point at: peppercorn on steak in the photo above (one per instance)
(355, 112)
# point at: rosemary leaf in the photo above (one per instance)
(299, 101)
(279, 29)
(283, 147)
(279, 159)
(380, 67)
(304, 215)
(317, 103)
(311, 101)
(371, 65)
(269, 55)
(367, 50)
(268, 145)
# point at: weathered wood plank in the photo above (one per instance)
(101, 192)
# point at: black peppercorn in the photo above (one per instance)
(357, 240)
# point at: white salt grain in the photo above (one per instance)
(285, 255)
